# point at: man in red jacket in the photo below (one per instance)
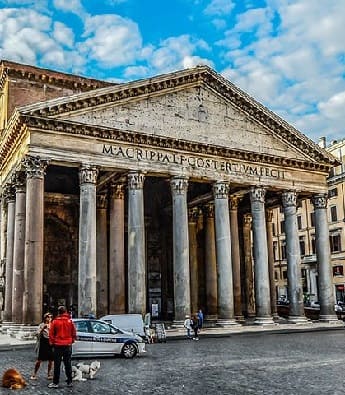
(62, 335)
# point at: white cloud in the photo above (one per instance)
(219, 7)
(296, 62)
(63, 34)
(111, 40)
(73, 6)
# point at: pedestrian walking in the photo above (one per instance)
(200, 319)
(62, 335)
(195, 326)
(188, 325)
(43, 348)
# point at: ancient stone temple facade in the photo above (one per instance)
(148, 196)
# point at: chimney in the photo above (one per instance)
(322, 142)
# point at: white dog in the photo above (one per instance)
(89, 370)
(77, 375)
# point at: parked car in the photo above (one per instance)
(96, 337)
(130, 323)
(283, 300)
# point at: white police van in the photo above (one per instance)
(96, 337)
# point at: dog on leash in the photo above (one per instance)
(81, 371)
(13, 380)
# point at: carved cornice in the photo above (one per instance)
(179, 185)
(198, 76)
(45, 76)
(320, 201)
(112, 134)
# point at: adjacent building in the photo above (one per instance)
(307, 236)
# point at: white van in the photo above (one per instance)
(130, 323)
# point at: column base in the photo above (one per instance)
(177, 324)
(297, 319)
(210, 321)
(331, 319)
(239, 318)
(264, 321)
(223, 322)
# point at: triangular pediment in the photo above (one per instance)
(196, 105)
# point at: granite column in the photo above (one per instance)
(193, 258)
(269, 229)
(87, 294)
(326, 289)
(248, 266)
(34, 233)
(261, 277)
(179, 187)
(136, 244)
(117, 289)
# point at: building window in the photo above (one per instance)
(283, 249)
(338, 270)
(274, 231)
(282, 226)
(334, 216)
(335, 242)
(275, 251)
(299, 222)
(284, 274)
(302, 245)
(313, 244)
(333, 192)
(276, 275)
(312, 219)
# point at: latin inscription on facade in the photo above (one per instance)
(191, 161)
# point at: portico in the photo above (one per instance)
(162, 188)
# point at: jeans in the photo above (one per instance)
(62, 353)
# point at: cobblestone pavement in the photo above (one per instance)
(284, 364)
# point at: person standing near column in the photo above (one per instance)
(62, 335)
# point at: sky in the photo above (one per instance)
(287, 54)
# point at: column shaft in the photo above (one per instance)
(136, 245)
(34, 232)
(269, 229)
(295, 290)
(117, 289)
(102, 255)
(19, 251)
(179, 186)
(326, 290)
(248, 266)
(261, 277)
(193, 258)
(223, 248)
(87, 295)
(235, 257)
(10, 198)
(210, 265)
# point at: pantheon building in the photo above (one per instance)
(151, 196)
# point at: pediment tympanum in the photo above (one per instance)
(194, 114)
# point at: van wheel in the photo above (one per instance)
(129, 350)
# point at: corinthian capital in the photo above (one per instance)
(88, 174)
(9, 193)
(289, 199)
(19, 181)
(135, 180)
(117, 191)
(179, 185)
(320, 201)
(257, 194)
(234, 202)
(35, 166)
(221, 190)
